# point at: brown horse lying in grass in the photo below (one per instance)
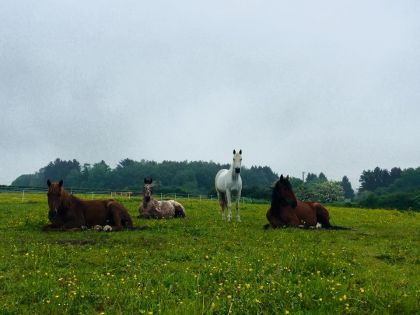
(67, 212)
(286, 210)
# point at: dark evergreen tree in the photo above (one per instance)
(347, 189)
(322, 177)
(311, 177)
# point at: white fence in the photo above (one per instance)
(114, 193)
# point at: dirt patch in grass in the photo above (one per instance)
(76, 242)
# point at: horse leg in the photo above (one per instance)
(229, 204)
(275, 222)
(238, 200)
(293, 220)
(222, 202)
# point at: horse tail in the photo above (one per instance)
(127, 221)
(179, 210)
(123, 215)
(322, 215)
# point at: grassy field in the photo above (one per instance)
(203, 265)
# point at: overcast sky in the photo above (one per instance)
(331, 86)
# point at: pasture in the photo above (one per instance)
(201, 265)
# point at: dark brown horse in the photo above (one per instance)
(286, 210)
(67, 212)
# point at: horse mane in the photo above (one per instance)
(67, 199)
(277, 200)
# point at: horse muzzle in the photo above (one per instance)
(52, 214)
(237, 170)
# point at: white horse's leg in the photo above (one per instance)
(238, 200)
(221, 198)
(229, 205)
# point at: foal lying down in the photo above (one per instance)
(67, 212)
(154, 209)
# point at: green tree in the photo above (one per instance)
(311, 177)
(322, 177)
(347, 189)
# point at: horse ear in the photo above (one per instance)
(60, 183)
(48, 182)
(281, 178)
(234, 151)
(287, 177)
(240, 151)
(145, 180)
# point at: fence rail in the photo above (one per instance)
(119, 193)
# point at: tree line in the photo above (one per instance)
(382, 188)
(396, 188)
(196, 177)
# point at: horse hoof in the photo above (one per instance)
(107, 228)
(238, 219)
(97, 228)
(318, 225)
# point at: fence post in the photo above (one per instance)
(92, 195)
(200, 197)
(161, 196)
(23, 195)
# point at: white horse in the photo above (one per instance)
(228, 181)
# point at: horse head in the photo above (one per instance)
(237, 161)
(147, 189)
(54, 194)
(283, 192)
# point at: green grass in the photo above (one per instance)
(203, 265)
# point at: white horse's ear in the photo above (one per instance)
(234, 151)
(240, 151)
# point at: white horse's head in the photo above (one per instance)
(237, 161)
